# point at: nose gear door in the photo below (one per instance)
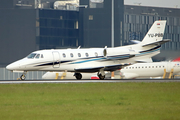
(56, 59)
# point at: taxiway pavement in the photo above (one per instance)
(87, 81)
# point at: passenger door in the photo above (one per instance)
(56, 59)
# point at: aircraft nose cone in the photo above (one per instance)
(12, 66)
(9, 67)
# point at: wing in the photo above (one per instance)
(106, 68)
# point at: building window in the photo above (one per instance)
(76, 25)
(90, 17)
(61, 17)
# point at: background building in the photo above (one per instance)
(138, 20)
(96, 23)
(29, 25)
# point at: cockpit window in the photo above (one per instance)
(37, 56)
(32, 55)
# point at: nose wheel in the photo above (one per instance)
(23, 76)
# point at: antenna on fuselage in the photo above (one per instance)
(79, 47)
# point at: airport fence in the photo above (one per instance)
(8, 75)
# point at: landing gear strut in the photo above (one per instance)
(101, 75)
(23, 76)
(78, 76)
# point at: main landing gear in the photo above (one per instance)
(101, 77)
(78, 76)
(23, 76)
(100, 74)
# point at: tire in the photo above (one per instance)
(22, 77)
(78, 76)
(101, 77)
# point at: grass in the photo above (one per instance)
(88, 101)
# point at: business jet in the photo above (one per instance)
(93, 60)
(147, 70)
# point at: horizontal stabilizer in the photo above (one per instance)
(135, 41)
(157, 43)
(106, 68)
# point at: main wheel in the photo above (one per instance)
(101, 77)
(78, 76)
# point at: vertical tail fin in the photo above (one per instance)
(155, 33)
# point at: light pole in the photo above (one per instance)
(112, 25)
(112, 32)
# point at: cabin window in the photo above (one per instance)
(37, 56)
(156, 66)
(87, 55)
(142, 67)
(146, 67)
(129, 67)
(64, 55)
(139, 67)
(71, 54)
(96, 54)
(79, 54)
(42, 56)
(152, 66)
(149, 66)
(136, 67)
(32, 55)
(132, 67)
(159, 66)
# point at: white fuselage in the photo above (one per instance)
(144, 70)
(71, 59)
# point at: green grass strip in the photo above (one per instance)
(90, 101)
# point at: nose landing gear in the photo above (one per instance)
(23, 76)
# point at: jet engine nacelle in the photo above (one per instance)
(118, 51)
